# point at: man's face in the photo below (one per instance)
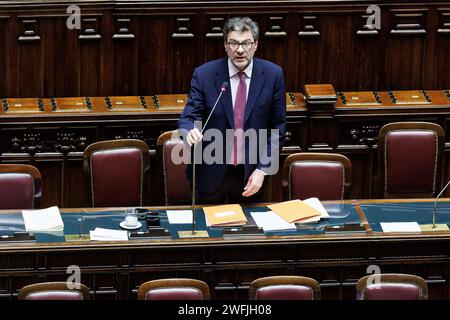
(241, 47)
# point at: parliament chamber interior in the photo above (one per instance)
(367, 132)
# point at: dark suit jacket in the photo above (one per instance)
(265, 109)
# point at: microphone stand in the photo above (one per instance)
(222, 90)
(435, 203)
(434, 226)
(193, 189)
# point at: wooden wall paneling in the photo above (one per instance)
(406, 49)
(337, 37)
(61, 59)
(361, 159)
(367, 56)
(74, 187)
(309, 50)
(28, 66)
(153, 54)
(4, 53)
(441, 70)
(124, 56)
(355, 141)
(431, 50)
(274, 39)
(214, 42)
(184, 42)
(92, 59)
(52, 168)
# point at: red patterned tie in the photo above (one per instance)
(239, 112)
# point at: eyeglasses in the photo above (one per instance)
(245, 45)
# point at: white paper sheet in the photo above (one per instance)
(400, 227)
(43, 220)
(179, 216)
(271, 221)
(101, 234)
(316, 204)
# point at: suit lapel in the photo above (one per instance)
(256, 85)
(226, 101)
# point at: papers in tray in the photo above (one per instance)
(316, 204)
(224, 216)
(44, 220)
(270, 221)
(101, 234)
(296, 211)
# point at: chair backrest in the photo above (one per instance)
(177, 187)
(284, 288)
(116, 173)
(20, 186)
(326, 176)
(391, 286)
(410, 159)
(54, 291)
(174, 289)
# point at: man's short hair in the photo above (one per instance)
(240, 24)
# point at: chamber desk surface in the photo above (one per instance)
(336, 251)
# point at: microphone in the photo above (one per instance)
(434, 226)
(223, 88)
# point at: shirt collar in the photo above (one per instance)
(234, 71)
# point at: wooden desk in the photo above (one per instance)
(114, 270)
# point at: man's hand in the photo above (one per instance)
(254, 183)
(194, 136)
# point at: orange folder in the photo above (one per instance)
(225, 215)
(294, 210)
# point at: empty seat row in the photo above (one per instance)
(375, 287)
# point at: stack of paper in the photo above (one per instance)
(270, 221)
(316, 204)
(295, 211)
(179, 216)
(225, 215)
(45, 220)
(101, 234)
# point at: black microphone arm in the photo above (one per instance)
(435, 202)
(223, 89)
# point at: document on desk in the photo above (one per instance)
(225, 215)
(101, 234)
(44, 220)
(294, 210)
(316, 204)
(270, 221)
(179, 216)
(400, 227)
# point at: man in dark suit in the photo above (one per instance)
(244, 135)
